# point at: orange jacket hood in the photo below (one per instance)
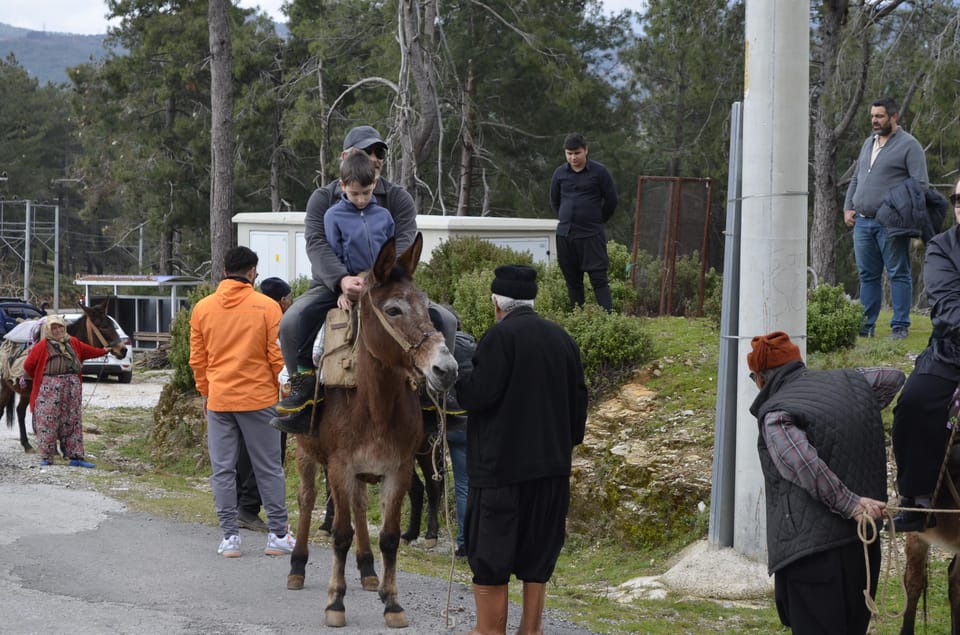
(233, 348)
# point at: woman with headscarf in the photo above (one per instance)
(55, 363)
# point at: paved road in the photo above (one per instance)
(74, 560)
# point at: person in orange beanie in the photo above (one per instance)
(823, 455)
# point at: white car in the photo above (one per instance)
(108, 364)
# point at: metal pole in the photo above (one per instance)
(725, 428)
(56, 259)
(26, 256)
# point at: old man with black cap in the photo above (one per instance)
(528, 407)
(823, 455)
(330, 278)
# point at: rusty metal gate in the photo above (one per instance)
(672, 220)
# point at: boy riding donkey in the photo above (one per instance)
(354, 229)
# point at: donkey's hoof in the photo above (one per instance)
(370, 583)
(294, 582)
(335, 618)
(429, 543)
(395, 619)
(28, 449)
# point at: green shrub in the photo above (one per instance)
(612, 345)
(179, 353)
(833, 319)
(685, 296)
(458, 257)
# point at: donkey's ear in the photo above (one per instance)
(385, 259)
(411, 257)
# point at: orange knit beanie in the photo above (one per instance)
(772, 350)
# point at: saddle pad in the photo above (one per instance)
(339, 359)
(12, 356)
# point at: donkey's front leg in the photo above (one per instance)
(394, 488)
(341, 490)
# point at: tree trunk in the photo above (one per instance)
(221, 131)
(418, 127)
(466, 146)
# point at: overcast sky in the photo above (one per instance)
(86, 16)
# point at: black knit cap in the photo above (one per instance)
(275, 288)
(515, 281)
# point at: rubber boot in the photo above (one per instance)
(491, 604)
(534, 596)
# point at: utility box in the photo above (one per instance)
(280, 242)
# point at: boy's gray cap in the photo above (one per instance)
(362, 137)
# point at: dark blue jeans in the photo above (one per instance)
(457, 442)
(875, 251)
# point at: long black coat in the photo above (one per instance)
(527, 401)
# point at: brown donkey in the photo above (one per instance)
(946, 535)
(370, 433)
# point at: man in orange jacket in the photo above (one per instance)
(235, 360)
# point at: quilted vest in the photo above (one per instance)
(840, 415)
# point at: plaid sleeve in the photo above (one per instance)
(886, 383)
(798, 462)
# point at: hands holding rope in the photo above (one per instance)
(869, 507)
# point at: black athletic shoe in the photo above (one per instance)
(302, 390)
(299, 422)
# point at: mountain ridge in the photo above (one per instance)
(46, 55)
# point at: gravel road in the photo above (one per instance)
(76, 560)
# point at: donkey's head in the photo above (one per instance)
(396, 324)
(97, 329)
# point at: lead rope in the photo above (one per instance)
(440, 403)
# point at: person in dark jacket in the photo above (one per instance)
(822, 452)
(911, 209)
(330, 277)
(583, 197)
(527, 401)
(919, 420)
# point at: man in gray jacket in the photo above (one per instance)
(888, 157)
(330, 277)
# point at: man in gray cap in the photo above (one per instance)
(330, 278)
(527, 401)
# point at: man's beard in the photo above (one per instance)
(884, 131)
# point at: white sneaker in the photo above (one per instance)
(279, 545)
(230, 547)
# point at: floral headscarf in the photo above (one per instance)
(59, 346)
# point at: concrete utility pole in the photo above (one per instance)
(773, 246)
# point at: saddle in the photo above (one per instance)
(338, 366)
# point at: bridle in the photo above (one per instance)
(414, 377)
(94, 330)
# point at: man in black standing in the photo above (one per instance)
(583, 197)
(528, 408)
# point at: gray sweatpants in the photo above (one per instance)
(224, 431)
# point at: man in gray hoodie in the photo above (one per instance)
(888, 157)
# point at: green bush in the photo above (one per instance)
(458, 257)
(685, 297)
(612, 345)
(179, 353)
(833, 319)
